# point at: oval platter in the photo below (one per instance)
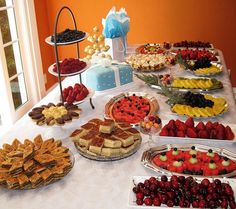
(148, 155)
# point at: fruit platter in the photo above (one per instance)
(77, 94)
(194, 104)
(105, 140)
(190, 159)
(181, 192)
(200, 131)
(69, 67)
(154, 48)
(34, 163)
(54, 114)
(192, 44)
(146, 62)
(66, 37)
(181, 83)
(200, 67)
(194, 54)
(131, 107)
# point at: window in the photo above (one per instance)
(21, 78)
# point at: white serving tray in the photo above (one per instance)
(137, 179)
(197, 140)
(50, 70)
(48, 41)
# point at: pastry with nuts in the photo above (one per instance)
(31, 164)
(54, 114)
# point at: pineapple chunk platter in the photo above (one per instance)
(195, 104)
(181, 83)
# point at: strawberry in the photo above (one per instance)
(191, 132)
(79, 97)
(180, 134)
(229, 133)
(221, 128)
(203, 134)
(209, 125)
(189, 122)
(181, 126)
(69, 99)
(178, 122)
(214, 125)
(164, 132)
(165, 127)
(220, 135)
(213, 134)
(200, 126)
(171, 124)
(171, 132)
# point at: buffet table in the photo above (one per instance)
(92, 184)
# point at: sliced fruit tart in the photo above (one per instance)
(195, 104)
(131, 107)
(179, 83)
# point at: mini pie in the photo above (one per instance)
(33, 163)
(121, 139)
(52, 114)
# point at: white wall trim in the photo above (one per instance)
(34, 48)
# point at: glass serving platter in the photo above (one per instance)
(226, 109)
(217, 64)
(148, 155)
(93, 156)
(72, 159)
(136, 179)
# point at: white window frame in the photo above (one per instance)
(31, 61)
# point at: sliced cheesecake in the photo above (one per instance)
(96, 145)
(125, 138)
(110, 152)
(107, 126)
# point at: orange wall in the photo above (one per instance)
(151, 21)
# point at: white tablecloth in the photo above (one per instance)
(92, 184)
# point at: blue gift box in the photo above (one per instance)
(100, 77)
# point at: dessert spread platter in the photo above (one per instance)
(32, 164)
(54, 114)
(211, 131)
(69, 67)
(186, 192)
(131, 107)
(66, 37)
(146, 62)
(191, 159)
(181, 83)
(105, 140)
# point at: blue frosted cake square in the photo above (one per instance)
(101, 77)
